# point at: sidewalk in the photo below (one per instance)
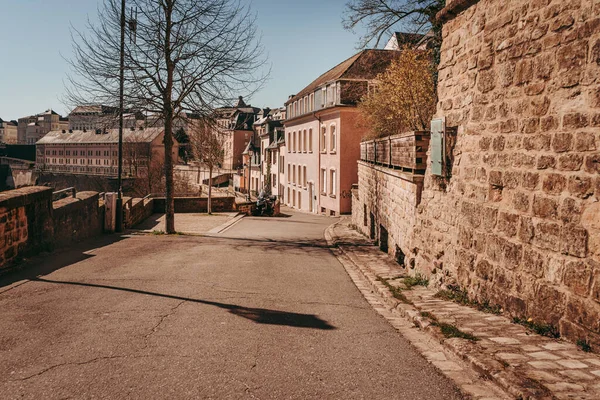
(524, 364)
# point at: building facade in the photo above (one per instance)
(101, 117)
(96, 152)
(322, 135)
(8, 131)
(32, 128)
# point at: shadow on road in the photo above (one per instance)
(46, 263)
(258, 315)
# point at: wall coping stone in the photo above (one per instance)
(24, 196)
(405, 176)
(81, 196)
(452, 10)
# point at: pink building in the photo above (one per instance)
(323, 136)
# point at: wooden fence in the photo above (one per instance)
(405, 151)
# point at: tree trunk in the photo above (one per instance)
(168, 113)
(209, 206)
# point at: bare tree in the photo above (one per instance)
(181, 56)
(206, 144)
(381, 17)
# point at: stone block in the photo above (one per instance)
(524, 71)
(533, 262)
(572, 56)
(592, 164)
(562, 142)
(484, 270)
(575, 121)
(577, 277)
(570, 162)
(585, 141)
(574, 240)
(581, 187)
(554, 183)
(547, 236)
(521, 201)
(540, 105)
(530, 180)
(584, 312)
(570, 211)
(549, 123)
(486, 81)
(545, 207)
(526, 229)
(508, 223)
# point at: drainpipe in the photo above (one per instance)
(318, 188)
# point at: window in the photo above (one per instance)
(304, 176)
(304, 141)
(299, 200)
(294, 142)
(332, 138)
(311, 101)
(332, 182)
(323, 138)
(310, 140)
(294, 174)
(323, 181)
(299, 175)
(323, 97)
(274, 180)
(288, 142)
(289, 173)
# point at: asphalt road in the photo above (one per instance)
(264, 311)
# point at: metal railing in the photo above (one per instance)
(61, 194)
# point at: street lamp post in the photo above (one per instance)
(250, 154)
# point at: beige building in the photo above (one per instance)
(32, 128)
(101, 117)
(236, 125)
(96, 152)
(8, 131)
(323, 137)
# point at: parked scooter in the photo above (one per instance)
(265, 205)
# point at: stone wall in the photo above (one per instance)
(386, 200)
(518, 221)
(196, 204)
(137, 211)
(25, 223)
(76, 219)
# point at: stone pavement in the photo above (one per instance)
(524, 364)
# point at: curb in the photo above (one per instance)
(226, 225)
(489, 369)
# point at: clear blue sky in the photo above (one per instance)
(303, 38)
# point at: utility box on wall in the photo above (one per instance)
(438, 146)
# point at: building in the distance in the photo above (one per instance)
(399, 40)
(323, 135)
(91, 117)
(8, 131)
(236, 125)
(95, 152)
(33, 127)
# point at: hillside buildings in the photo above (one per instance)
(8, 131)
(96, 152)
(34, 127)
(236, 125)
(322, 135)
(93, 117)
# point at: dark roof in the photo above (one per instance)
(407, 38)
(364, 65)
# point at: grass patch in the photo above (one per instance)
(461, 297)
(541, 329)
(429, 315)
(396, 292)
(158, 233)
(584, 345)
(451, 331)
(417, 280)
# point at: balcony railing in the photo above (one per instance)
(405, 151)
